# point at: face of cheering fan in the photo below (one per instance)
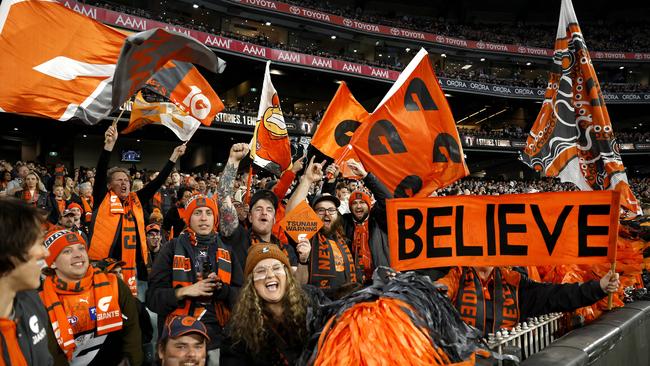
(327, 212)
(186, 350)
(72, 263)
(270, 280)
(359, 209)
(120, 184)
(202, 221)
(262, 217)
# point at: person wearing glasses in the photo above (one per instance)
(268, 325)
(331, 265)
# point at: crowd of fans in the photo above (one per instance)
(612, 37)
(199, 256)
(481, 75)
(516, 132)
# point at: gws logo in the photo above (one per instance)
(39, 334)
(104, 303)
(198, 103)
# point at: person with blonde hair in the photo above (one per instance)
(268, 325)
(32, 193)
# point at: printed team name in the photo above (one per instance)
(108, 315)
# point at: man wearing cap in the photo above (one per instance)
(183, 341)
(154, 241)
(196, 274)
(70, 221)
(23, 320)
(118, 225)
(93, 314)
(331, 265)
(263, 205)
(366, 224)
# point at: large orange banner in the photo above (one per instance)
(518, 229)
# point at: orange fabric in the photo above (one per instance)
(57, 27)
(100, 310)
(109, 214)
(343, 116)
(12, 347)
(410, 141)
(192, 94)
(586, 153)
(270, 148)
(302, 220)
(29, 198)
(60, 205)
(157, 200)
(518, 229)
(361, 249)
(88, 209)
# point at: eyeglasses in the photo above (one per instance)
(260, 273)
(153, 233)
(330, 211)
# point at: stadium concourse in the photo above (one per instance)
(296, 182)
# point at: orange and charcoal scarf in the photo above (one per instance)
(9, 344)
(361, 249)
(332, 264)
(470, 301)
(109, 214)
(60, 204)
(88, 209)
(101, 310)
(184, 274)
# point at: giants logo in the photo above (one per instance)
(104, 303)
(198, 103)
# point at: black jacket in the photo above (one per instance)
(32, 330)
(281, 345)
(174, 220)
(161, 297)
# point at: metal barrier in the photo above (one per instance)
(527, 338)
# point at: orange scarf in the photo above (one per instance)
(60, 203)
(104, 313)
(183, 274)
(361, 249)
(10, 344)
(88, 209)
(110, 211)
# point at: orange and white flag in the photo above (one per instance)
(410, 141)
(572, 137)
(59, 64)
(270, 147)
(161, 113)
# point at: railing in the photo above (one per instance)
(527, 338)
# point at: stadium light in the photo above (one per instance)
(333, 37)
(355, 51)
(528, 63)
(621, 68)
(466, 67)
(268, 24)
(408, 49)
(195, 6)
(443, 55)
(482, 59)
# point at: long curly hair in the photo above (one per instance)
(251, 323)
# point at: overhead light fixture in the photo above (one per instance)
(621, 68)
(195, 6)
(528, 63)
(338, 81)
(85, 136)
(355, 51)
(408, 49)
(471, 115)
(253, 90)
(276, 72)
(492, 115)
(380, 55)
(138, 140)
(448, 95)
(443, 55)
(15, 128)
(466, 67)
(482, 59)
(333, 37)
(268, 24)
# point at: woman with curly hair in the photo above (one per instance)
(268, 325)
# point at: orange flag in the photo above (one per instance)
(572, 137)
(342, 117)
(410, 141)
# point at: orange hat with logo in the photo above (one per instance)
(58, 239)
(359, 195)
(197, 201)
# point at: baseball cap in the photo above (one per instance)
(108, 264)
(266, 195)
(67, 212)
(151, 227)
(181, 325)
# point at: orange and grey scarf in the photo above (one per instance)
(104, 310)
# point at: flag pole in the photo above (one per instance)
(247, 198)
(611, 295)
(118, 117)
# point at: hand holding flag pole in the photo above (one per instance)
(340, 160)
